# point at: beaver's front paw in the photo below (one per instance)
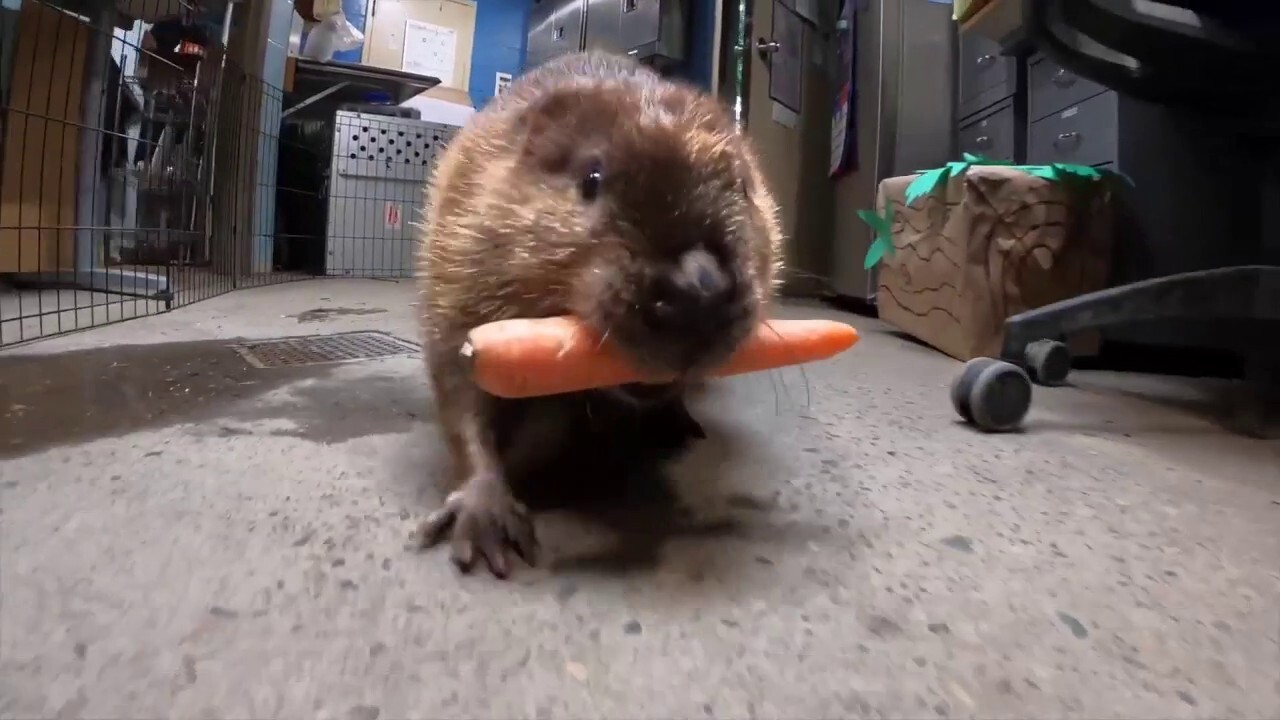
(484, 522)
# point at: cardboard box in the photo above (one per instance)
(989, 244)
(962, 10)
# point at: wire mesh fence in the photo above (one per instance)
(143, 168)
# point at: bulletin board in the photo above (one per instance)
(432, 26)
(429, 49)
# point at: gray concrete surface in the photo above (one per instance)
(183, 536)
(32, 314)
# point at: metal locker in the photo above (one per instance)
(541, 18)
(655, 31)
(604, 18)
(640, 22)
(566, 33)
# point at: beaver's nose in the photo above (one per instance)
(699, 279)
(697, 292)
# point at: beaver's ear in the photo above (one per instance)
(554, 128)
(544, 136)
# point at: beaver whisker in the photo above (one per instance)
(804, 375)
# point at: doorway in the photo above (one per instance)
(774, 74)
(735, 68)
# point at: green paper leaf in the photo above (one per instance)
(979, 160)
(875, 252)
(1045, 172)
(1078, 170)
(880, 226)
(882, 242)
(925, 184)
(956, 169)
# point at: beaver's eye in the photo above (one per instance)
(590, 187)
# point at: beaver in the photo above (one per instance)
(598, 188)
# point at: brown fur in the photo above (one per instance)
(507, 234)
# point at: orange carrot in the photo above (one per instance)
(548, 356)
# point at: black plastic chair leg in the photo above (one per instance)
(1255, 405)
(1246, 292)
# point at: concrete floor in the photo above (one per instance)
(32, 314)
(186, 536)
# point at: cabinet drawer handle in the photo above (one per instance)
(982, 141)
(1063, 138)
(1063, 79)
(767, 47)
(986, 61)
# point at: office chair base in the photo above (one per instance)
(1032, 340)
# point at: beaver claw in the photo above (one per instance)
(481, 526)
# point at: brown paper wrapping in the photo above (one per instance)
(994, 243)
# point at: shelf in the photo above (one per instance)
(339, 82)
(1002, 21)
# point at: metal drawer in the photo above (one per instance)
(1083, 134)
(983, 68)
(1052, 88)
(991, 136)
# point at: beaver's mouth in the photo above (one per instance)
(647, 393)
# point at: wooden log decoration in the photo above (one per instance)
(962, 247)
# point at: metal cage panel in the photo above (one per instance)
(135, 179)
(380, 166)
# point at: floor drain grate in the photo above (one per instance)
(320, 349)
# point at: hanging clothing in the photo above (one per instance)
(844, 116)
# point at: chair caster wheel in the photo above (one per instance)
(1049, 361)
(963, 385)
(992, 394)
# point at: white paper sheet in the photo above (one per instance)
(429, 50)
(500, 82)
